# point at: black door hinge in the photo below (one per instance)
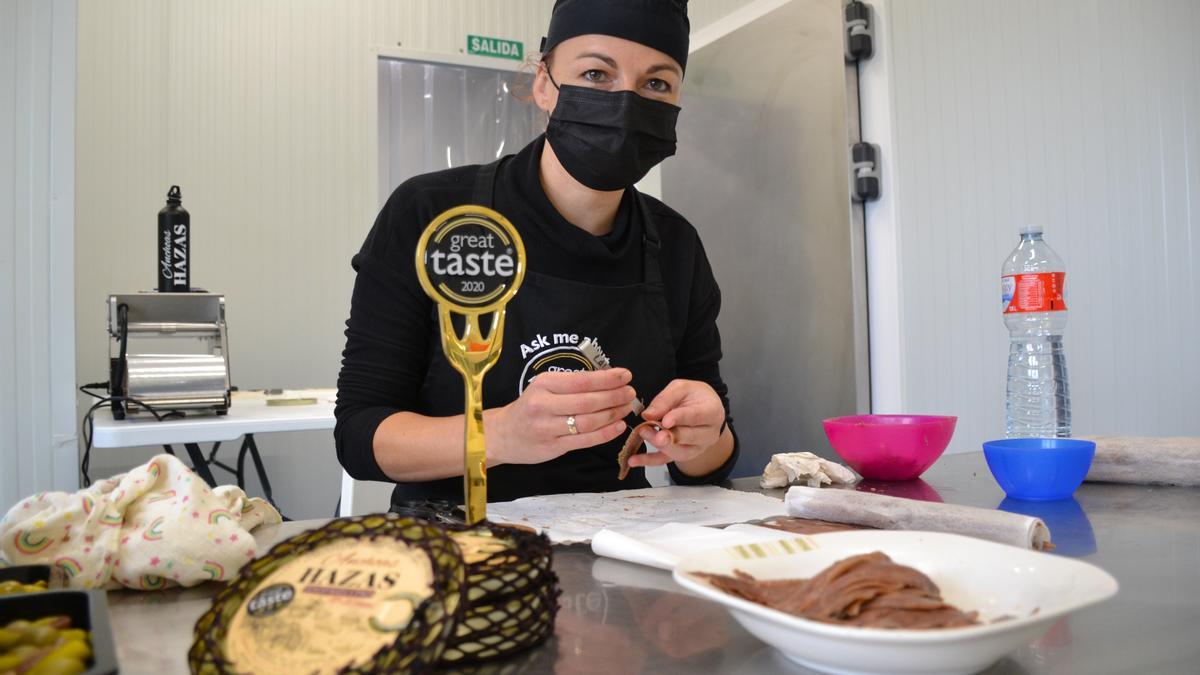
(860, 31)
(864, 171)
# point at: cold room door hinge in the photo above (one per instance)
(864, 171)
(860, 31)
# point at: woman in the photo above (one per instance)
(604, 262)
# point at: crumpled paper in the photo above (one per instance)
(576, 518)
(158, 525)
(786, 468)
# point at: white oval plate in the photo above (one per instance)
(993, 579)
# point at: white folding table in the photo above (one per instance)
(248, 415)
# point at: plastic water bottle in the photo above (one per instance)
(1033, 281)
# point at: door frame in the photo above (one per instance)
(877, 224)
(882, 227)
(782, 145)
(375, 156)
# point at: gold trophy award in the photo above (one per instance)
(471, 261)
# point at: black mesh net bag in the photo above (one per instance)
(369, 594)
(511, 596)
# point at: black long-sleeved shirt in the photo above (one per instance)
(393, 325)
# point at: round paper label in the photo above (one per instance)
(330, 607)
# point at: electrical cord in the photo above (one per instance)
(84, 389)
(88, 425)
(159, 415)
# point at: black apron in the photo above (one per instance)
(545, 321)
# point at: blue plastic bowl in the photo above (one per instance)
(1039, 469)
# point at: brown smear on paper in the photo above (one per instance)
(809, 525)
(341, 595)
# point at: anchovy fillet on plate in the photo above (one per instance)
(869, 591)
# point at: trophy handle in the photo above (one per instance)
(472, 355)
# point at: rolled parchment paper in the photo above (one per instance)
(1145, 461)
(895, 513)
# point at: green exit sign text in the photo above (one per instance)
(490, 46)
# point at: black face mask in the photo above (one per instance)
(609, 140)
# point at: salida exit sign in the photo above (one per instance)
(497, 47)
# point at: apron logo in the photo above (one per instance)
(553, 353)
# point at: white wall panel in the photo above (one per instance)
(1080, 115)
(37, 107)
(10, 458)
(260, 111)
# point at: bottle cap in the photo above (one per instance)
(174, 196)
(1030, 229)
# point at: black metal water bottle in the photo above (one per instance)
(174, 245)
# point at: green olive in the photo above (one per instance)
(73, 634)
(57, 621)
(43, 635)
(25, 651)
(11, 587)
(57, 665)
(76, 649)
(9, 638)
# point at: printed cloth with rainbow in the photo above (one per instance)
(159, 525)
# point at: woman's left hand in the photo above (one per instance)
(691, 416)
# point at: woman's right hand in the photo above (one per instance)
(533, 429)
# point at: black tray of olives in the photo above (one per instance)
(25, 575)
(87, 610)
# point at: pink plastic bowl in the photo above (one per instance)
(890, 447)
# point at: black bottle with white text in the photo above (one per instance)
(174, 245)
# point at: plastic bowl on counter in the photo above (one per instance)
(890, 447)
(1039, 469)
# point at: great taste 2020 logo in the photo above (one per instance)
(469, 260)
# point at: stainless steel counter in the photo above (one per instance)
(622, 618)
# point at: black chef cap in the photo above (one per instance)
(658, 24)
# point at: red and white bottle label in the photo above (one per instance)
(1041, 292)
